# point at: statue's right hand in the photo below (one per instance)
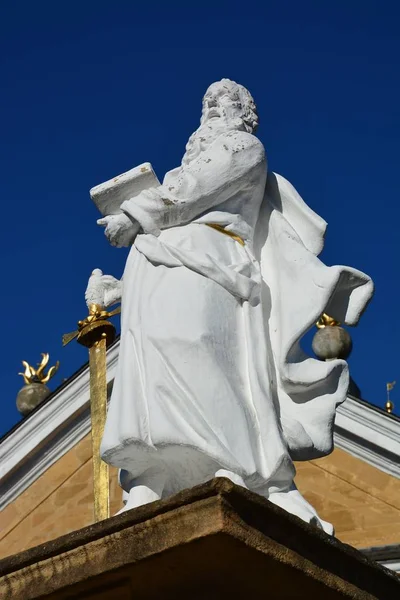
(120, 230)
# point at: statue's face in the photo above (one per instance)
(221, 102)
(222, 112)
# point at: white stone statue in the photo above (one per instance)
(220, 285)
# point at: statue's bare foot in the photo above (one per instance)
(232, 476)
(145, 489)
(138, 496)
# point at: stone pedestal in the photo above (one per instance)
(213, 541)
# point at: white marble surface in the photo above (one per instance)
(211, 378)
(108, 196)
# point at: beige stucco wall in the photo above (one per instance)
(59, 502)
(362, 502)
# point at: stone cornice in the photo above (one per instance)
(62, 421)
(369, 434)
(387, 556)
(216, 540)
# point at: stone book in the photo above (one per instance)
(109, 196)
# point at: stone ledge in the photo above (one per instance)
(214, 541)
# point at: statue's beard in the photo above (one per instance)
(208, 131)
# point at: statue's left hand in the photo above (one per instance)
(119, 229)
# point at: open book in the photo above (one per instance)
(109, 196)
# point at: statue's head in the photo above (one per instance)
(227, 106)
(232, 103)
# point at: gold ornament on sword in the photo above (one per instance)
(97, 333)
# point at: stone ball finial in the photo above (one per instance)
(331, 341)
(30, 396)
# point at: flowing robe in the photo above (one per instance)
(210, 372)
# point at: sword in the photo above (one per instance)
(97, 333)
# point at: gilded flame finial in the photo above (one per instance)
(32, 375)
(326, 321)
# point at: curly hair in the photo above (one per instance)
(242, 97)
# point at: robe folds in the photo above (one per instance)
(211, 374)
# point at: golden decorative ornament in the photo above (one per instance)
(389, 406)
(38, 375)
(234, 236)
(96, 319)
(326, 321)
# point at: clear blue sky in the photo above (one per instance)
(91, 89)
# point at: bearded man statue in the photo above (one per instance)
(220, 285)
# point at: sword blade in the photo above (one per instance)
(98, 410)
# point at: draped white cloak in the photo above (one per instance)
(210, 373)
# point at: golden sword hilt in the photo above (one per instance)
(94, 327)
